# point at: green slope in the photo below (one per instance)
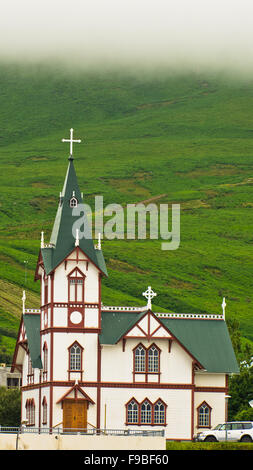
(168, 138)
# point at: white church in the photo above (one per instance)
(88, 366)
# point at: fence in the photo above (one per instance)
(73, 431)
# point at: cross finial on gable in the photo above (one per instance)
(23, 300)
(149, 294)
(223, 307)
(71, 141)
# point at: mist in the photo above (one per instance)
(173, 34)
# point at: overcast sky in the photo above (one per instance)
(194, 33)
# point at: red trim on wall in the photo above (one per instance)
(98, 385)
(71, 329)
(51, 352)
(139, 385)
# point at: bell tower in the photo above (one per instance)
(70, 268)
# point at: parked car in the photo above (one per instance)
(233, 431)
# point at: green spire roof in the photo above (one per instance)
(62, 241)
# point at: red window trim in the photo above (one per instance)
(69, 361)
(44, 410)
(30, 412)
(198, 415)
(71, 276)
(146, 371)
(30, 372)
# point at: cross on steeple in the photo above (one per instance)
(71, 141)
(149, 294)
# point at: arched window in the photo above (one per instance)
(30, 372)
(146, 412)
(44, 411)
(45, 361)
(147, 360)
(204, 415)
(132, 412)
(159, 412)
(75, 357)
(30, 412)
(140, 359)
(76, 286)
(153, 359)
(73, 202)
(146, 415)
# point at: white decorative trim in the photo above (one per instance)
(197, 316)
(123, 309)
(31, 310)
(191, 316)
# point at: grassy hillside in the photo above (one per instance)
(168, 138)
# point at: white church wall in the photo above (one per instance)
(216, 400)
(175, 366)
(210, 380)
(91, 318)
(61, 284)
(178, 413)
(42, 291)
(61, 355)
(116, 365)
(91, 293)
(60, 317)
(28, 395)
(25, 370)
(91, 281)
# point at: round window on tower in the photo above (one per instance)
(76, 317)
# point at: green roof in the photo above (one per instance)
(62, 239)
(32, 328)
(208, 341)
(115, 324)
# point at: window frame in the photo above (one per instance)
(45, 361)
(146, 370)
(30, 371)
(81, 357)
(140, 421)
(72, 276)
(44, 410)
(30, 412)
(127, 412)
(73, 202)
(201, 423)
(158, 359)
(146, 402)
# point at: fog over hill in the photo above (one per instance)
(188, 34)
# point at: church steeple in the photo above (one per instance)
(62, 241)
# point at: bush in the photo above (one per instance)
(10, 407)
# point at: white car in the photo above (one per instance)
(233, 431)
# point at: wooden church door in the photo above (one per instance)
(75, 414)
